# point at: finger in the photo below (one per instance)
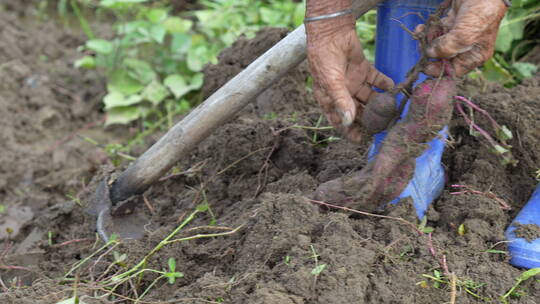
(342, 100)
(470, 23)
(379, 80)
(327, 106)
(363, 94)
(419, 28)
(354, 134)
(433, 69)
(466, 62)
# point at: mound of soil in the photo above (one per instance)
(254, 173)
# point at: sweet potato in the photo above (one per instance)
(387, 176)
(379, 113)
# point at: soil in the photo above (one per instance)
(530, 232)
(254, 173)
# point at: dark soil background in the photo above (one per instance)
(255, 171)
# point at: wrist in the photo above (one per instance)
(327, 28)
(322, 7)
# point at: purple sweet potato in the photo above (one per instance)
(379, 112)
(388, 175)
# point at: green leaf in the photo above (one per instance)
(176, 25)
(504, 133)
(113, 3)
(73, 300)
(155, 92)
(122, 115)
(118, 258)
(140, 70)
(157, 15)
(177, 85)
(202, 207)
(493, 71)
(495, 251)
(158, 32)
(131, 27)
(196, 81)
(117, 99)
(87, 62)
(100, 46)
(197, 57)
(120, 81)
(525, 69)
(172, 276)
(180, 43)
(500, 149)
(299, 12)
(317, 270)
(528, 274)
(172, 264)
(510, 30)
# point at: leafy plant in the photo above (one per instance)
(155, 58)
(513, 43)
(147, 62)
(319, 268)
(172, 274)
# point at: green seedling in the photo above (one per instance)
(405, 252)
(72, 300)
(50, 238)
(319, 268)
(514, 291)
(423, 226)
(172, 275)
(74, 198)
(439, 280)
(120, 259)
(287, 260)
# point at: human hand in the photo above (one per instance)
(343, 79)
(470, 31)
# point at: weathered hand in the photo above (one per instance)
(470, 28)
(343, 78)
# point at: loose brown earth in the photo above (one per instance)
(254, 172)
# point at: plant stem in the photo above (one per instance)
(84, 24)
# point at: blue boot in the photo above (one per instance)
(396, 53)
(524, 253)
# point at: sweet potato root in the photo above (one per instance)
(379, 113)
(387, 176)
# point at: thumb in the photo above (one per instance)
(343, 101)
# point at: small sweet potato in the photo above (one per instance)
(379, 112)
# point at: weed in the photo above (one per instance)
(287, 260)
(423, 226)
(515, 291)
(469, 286)
(319, 268)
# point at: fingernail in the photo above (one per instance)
(430, 51)
(346, 118)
